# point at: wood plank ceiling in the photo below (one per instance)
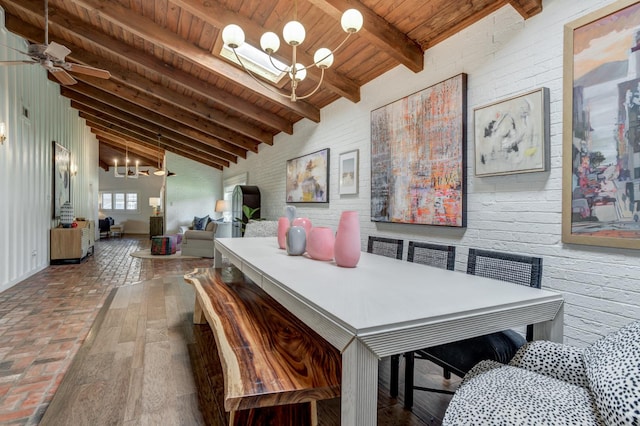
(171, 90)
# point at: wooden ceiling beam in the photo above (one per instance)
(155, 117)
(137, 82)
(60, 20)
(114, 131)
(145, 28)
(137, 127)
(217, 15)
(378, 32)
(106, 112)
(168, 110)
(111, 138)
(526, 8)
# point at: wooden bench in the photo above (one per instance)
(269, 357)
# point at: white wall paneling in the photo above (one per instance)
(503, 55)
(26, 163)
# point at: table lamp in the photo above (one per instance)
(222, 206)
(155, 203)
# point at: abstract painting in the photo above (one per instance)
(601, 139)
(307, 179)
(418, 157)
(61, 178)
(512, 135)
(348, 173)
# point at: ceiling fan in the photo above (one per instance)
(51, 56)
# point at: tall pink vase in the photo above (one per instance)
(347, 246)
(283, 226)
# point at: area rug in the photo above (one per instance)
(146, 254)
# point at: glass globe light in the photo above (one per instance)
(293, 33)
(270, 42)
(351, 21)
(323, 58)
(233, 36)
(301, 72)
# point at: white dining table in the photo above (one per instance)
(386, 306)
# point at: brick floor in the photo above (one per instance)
(45, 318)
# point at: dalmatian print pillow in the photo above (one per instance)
(556, 360)
(494, 394)
(613, 370)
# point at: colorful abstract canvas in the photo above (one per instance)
(307, 178)
(601, 128)
(418, 157)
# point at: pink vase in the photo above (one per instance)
(320, 243)
(304, 222)
(347, 247)
(283, 225)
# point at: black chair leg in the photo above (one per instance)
(408, 380)
(446, 373)
(395, 367)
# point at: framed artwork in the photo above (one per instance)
(307, 179)
(348, 173)
(61, 178)
(601, 137)
(418, 157)
(512, 135)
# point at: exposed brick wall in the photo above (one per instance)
(503, 55)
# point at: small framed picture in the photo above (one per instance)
(348, 173)
(307, 179)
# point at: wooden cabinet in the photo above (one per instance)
(72, 244)
(156, 226)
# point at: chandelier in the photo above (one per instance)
(293, 34)
(127, 173)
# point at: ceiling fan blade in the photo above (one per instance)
(62, 76)
(16, 62)
(56, 51)
(14, 49)
(84, 69)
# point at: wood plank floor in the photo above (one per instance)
(133, 365)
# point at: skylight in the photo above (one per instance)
(256, 61)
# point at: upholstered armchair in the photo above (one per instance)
(553, 384)
(200, 242)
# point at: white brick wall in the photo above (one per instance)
(503, 56)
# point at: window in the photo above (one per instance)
(256, 61)
(126, 201)
(107, 203)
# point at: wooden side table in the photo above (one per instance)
(156, 226)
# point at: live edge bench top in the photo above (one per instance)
(269, 357)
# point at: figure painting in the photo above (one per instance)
(61, 178)
(512, 136)
(601, 169)
(418, 157)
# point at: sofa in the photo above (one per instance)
(199, 242)
(548, 383)
(261, 228)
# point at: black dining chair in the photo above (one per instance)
(388, 247)
(441, 256)
(459, 357)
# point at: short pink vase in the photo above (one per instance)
(283, 226)
(320, 243)
(347, 247)
(304, 222)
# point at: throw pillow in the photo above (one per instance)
(613, 368)
(200, 223)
